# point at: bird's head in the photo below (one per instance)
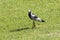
(29, 11)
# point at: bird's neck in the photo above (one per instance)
(29, 14)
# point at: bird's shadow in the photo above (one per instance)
(20, 29)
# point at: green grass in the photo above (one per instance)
(14, 15)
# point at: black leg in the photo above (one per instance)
(34, 25)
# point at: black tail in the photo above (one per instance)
(43, 21)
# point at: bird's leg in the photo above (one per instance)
(34, 25)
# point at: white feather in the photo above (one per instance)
(38, 19)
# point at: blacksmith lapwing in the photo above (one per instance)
(34, 17)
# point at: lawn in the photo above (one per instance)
(16, 25)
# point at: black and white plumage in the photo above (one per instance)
(34, 17)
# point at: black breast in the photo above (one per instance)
(29, 14)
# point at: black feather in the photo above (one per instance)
(29, 14)
(35, 17)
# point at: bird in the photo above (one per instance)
(34, 18)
